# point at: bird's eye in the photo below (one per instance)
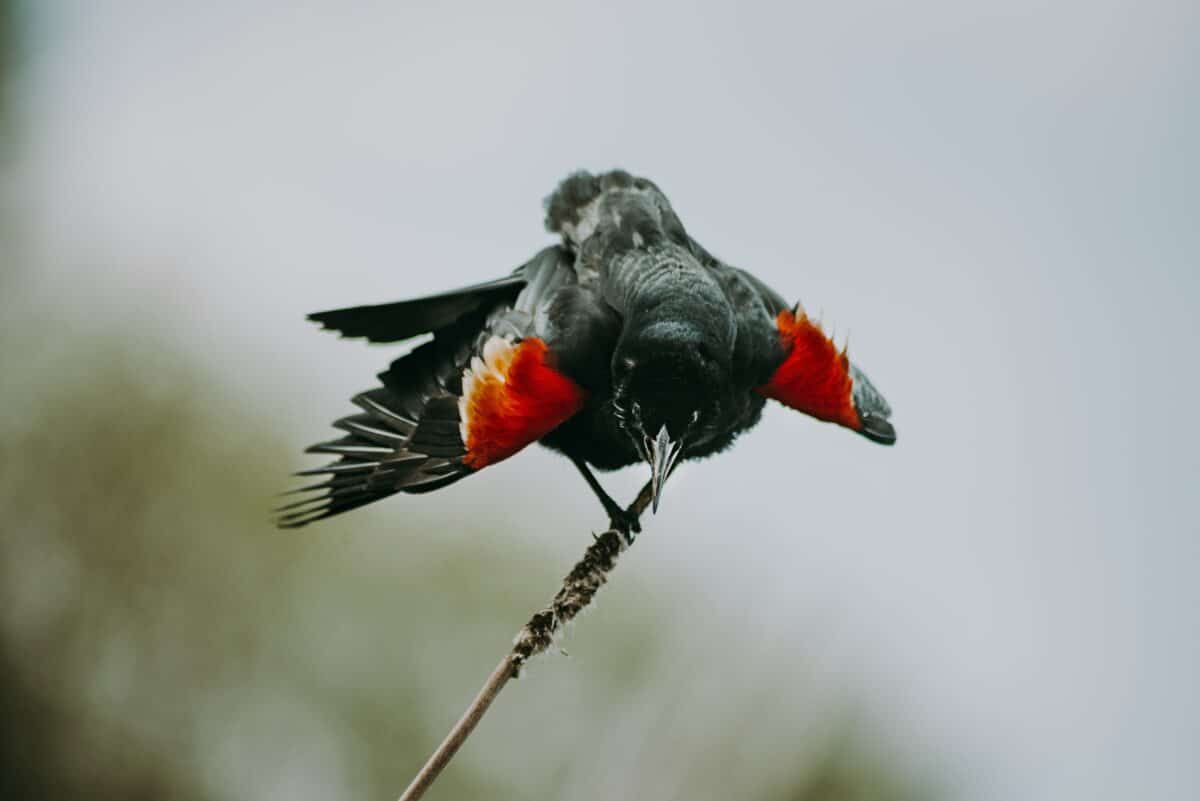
(695, 416)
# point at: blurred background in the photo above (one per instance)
(998, 202)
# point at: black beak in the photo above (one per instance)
(663, 455)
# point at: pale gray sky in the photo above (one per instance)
(999, 204)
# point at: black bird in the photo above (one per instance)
(628, 342)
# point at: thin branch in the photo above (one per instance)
(577, 591)
(462, 730)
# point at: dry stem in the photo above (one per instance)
(578, 588)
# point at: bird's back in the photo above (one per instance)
(630, 244)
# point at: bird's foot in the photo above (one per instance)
(625, 523)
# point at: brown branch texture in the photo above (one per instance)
(577, 591)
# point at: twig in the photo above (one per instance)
(578, 589)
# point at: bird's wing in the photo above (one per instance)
(815, 377)
(789, 358)
(486, 386)
(393, 322)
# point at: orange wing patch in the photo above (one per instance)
(815, 376)
(512, 397)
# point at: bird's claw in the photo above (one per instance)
(625, 523)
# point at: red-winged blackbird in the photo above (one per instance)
(627, 342)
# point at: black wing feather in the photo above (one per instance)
(406, 436)
(393, 322)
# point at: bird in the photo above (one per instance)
(625, 342)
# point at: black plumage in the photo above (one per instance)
(667, 354)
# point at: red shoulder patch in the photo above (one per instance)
(815, 376)
(512, 397)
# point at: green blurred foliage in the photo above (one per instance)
(146, 594)
(159, 640)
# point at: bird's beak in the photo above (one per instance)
(663, 455)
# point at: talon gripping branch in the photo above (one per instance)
(627, 342)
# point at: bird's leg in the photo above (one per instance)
(622, 520)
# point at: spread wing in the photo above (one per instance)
(393, 322)
(485, 387)
(789, 358)
(816, 378)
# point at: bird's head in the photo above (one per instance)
(667, 382)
